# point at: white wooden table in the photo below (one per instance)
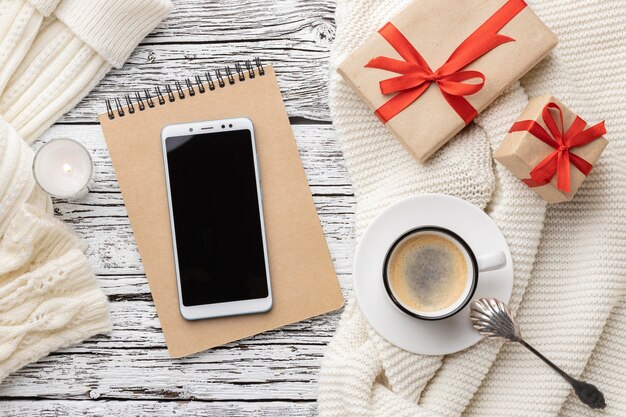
(129, 371)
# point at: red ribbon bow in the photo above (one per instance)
(417, 75)
(558, 162)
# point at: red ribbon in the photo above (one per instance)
(558, 162)
(417, 75)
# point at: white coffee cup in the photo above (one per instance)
(403, 291)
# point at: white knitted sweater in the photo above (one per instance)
(52, 53)
(569, 259)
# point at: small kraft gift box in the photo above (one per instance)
(430, 70)
(551, 148)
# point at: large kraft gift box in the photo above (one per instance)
(522, 150)
(510, 41)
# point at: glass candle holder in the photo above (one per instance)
(63, 168)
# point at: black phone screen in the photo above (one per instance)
(217, 221)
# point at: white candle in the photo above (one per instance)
(63, 168)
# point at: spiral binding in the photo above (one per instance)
(219, 79)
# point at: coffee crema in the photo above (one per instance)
(427, 272)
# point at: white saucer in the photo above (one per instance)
(437, 337)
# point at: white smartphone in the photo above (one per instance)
(216, 213)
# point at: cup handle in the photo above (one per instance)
(491, 261)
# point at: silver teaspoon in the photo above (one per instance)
(494, 319)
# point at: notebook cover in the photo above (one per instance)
(304, 283)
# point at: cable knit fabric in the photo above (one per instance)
(52, 53)
(569, 259)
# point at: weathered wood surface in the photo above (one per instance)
(129, 372)
(55, 408)
(200, 35)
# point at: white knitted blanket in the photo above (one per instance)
(52, 53)
(569, 259)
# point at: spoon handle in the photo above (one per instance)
(561, 372)
(588, 393)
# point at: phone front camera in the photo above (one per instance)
(223, 126)
(191, 129)
(230, 125)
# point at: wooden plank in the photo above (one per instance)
(100, 408)
(250, 372)
(294, 36)
(251, 20)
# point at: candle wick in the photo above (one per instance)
(67, 168)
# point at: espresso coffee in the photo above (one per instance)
(427, 272)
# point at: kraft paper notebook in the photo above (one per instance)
(304, 283)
